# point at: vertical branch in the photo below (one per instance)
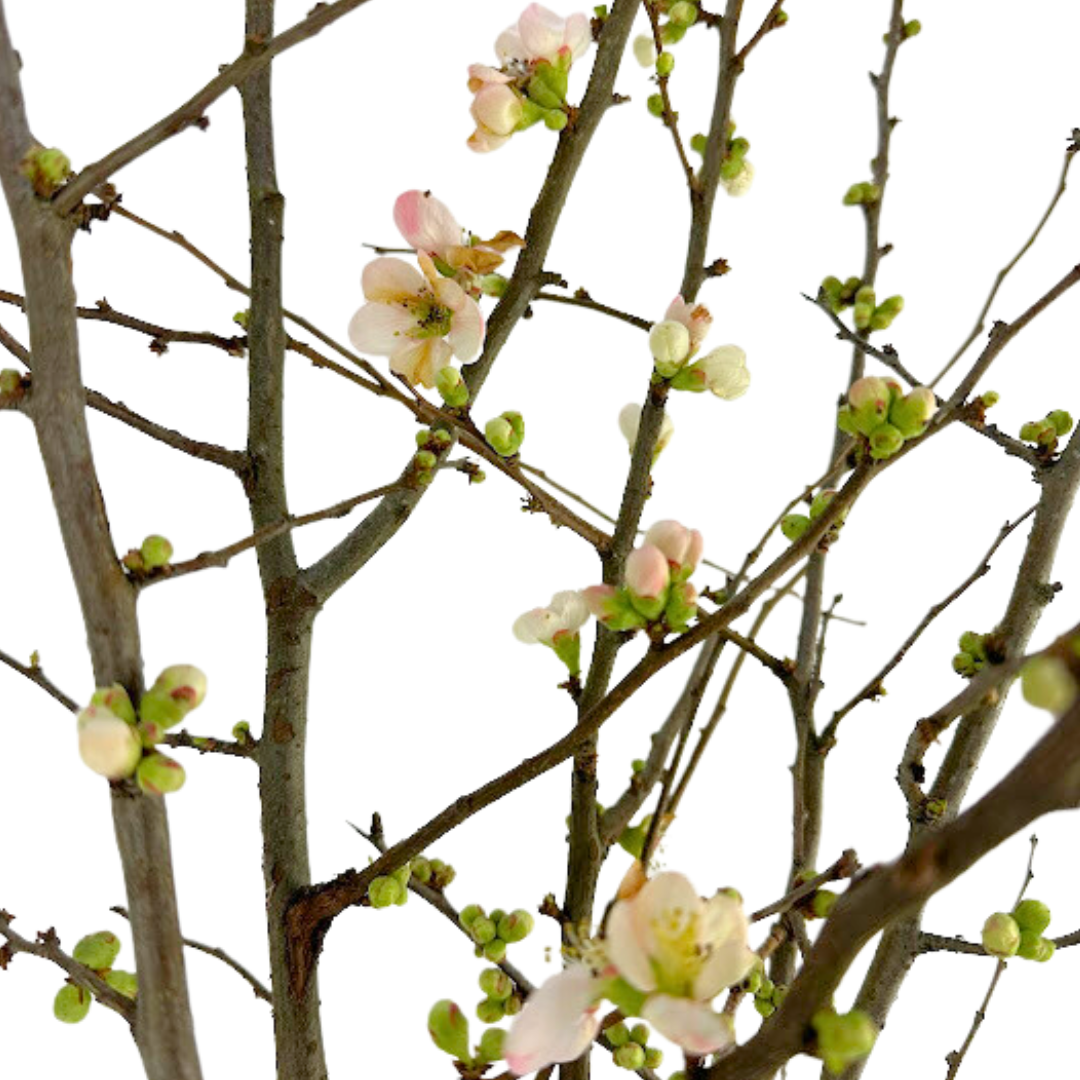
(163, 1030)
(290, 610)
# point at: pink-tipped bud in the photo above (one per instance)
(647, 572)
(682, 547)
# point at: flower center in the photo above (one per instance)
(678, 958)
(432, 319)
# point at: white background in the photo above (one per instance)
(420, 692)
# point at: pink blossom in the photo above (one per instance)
(558, 1022)
(695, 317)
(647, 572)
(420, 321)
(540, 34)
(600, 600)
(426, 224)
(682, 547)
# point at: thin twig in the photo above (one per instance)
(36, 674)
(582, 299)
(207, 744)
(844, 867)
(669, 116)
(219, 954)
(768, 24)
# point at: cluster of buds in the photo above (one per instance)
(47, 169)
(736, 172)
(118, 743)
(556, 626)
(673, 343)
(431, 444)
(794, 525)
(656, 592)
(1047, 682)
(864, 194)
(972, 657)
(393, 888)
(676, 17)
(492, 933)
(868, 314)
(448, 1027)
(530, 85)
(632, 1049)
(98, 952)
(840, 295)
(841, 1040)
(1019, 933)
(879, 410)
(911, 29)
(505, 433)
(630, 422)
(1045, 433)
(154, 553)
(768, 996)
(12, 384)
(500, 996)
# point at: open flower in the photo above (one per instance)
(681, 951)
(540, 34)
(558, 1022)
(497, 108)
(418, 320)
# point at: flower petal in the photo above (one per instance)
(542, 33)
(557, 1024)
(509, 46)
(466, 330)
(627, 947)
(570, 608)
(536, 626)
(420, 361)
(390, 280)
(690, 1024)
(577, 34)
(630, 421)
(726, 965)
(425, 222)
(380, 328)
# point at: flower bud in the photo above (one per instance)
(764, 1006)
(823, 903)
(505, 433)
(682, 547)
(46, 169)
(383, 891)
(683, 13)
(681, 606)
(10, 381)
(842, 1040)
(665, 64)
(156, 551)
(794, 525)
(490, 1012)
(655, 104)
(912, 28)
(496, 984)
(516, 926)
(97, 951)
(482, 930)
(449, 1029)
(115, 699)
(869, 398)
(699, 143)
(911, 414)
(645, 50)
(647, 576)
(630, 1056)
(107, 744)
(421, 869)
(1048, 684)
(442, 874)
(1061, 420)
(630, 422)
(1032, 915)
(469, 914)
(495, 950)
(72, 1003)
(669, 343)
(723, 371)
(618, 1035)
(123, 982)
(184, 683)
(158, 774)
(612, 607)
(491, 1044)
(885, 441)
(555, 119)
(451, 387)
(1001, 935)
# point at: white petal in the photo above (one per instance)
(380, 328)
(391, 280)
(421, 361)
(726, 965)
(578, 34)
(510, 47)
(570, 609)
(542, 32)
(625, 947)
(466, 330)
(557, 1024)
(538, 625)
(630, 421)
(690, 1024)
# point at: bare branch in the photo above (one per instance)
(36, 674)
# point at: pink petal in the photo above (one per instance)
(690, 1024)
(557, 1024)
(466, 330)
(390, 280)
(695, 317)
(421, 361)
(426, 223)
(577, 34)
(542, 33)
(598, 598)
(647, 572)
(380, 328)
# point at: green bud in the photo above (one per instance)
(764, 1006)
(794, 525)
(10, 381)
(698, 143)
(449, 1029)
(489, 1011)
(491, 1044)
(1032, 915)
(665, 64)
(156, 551)
(654, 1057)
(655, 104)
(823, 903)
(516, 926)
(115, 699)
(451, 387)
(990, 398)
(885, 441)
(911, 414)
(862, 315)
(513, 1005)
(1046, 949)
(97, 951)
(505, 433)
(425, 459)
(72, 1003)
(442, 874)
(778, 995)
(965, 664)
(158, 774)
(754, 980)
(639, 1033)
(384, 891)
(496, 984)
(630, 1056)
(123, 982)
(683, 13)
(912, 28)
(843, 1040)
(854, 195)
(421, 869)
(637, 765)
(482, 930)
(821, 503)
(241, 732)
(935, 808)
(731, 167)
(1036, 430)
(495, 951)
(618, 1035)
(469, 914)
(555, 120)
(1001, 935)
(767, 988)
(1048, 684)
(1030, 944)
(780, 18)
(1061, 420)
(971, 642)
(497, 915)
(46, 169)
(241, 318)
(548, 85)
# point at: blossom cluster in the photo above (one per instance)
(677, 338)
(879, 410)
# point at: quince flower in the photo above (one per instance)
(497, 108)
(681, 951)
(630, 421)
(540, 34)
(418, 320)
(566, 614)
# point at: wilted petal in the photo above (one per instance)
(388, 281)
(690, 1024)
(420, 361)
(380, 328)
(557, 1024)
(425, 222)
